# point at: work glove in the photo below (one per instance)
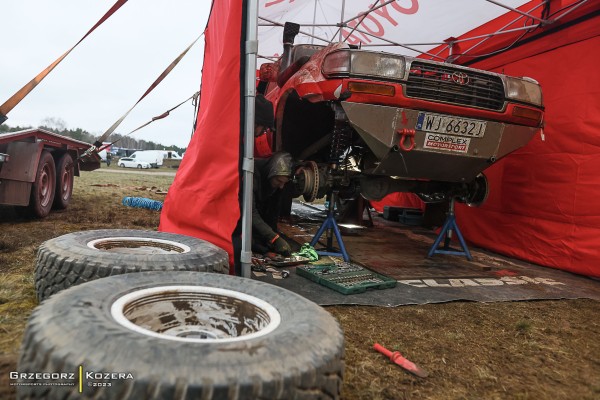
(280, 246)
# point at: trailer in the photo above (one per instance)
(37, 170)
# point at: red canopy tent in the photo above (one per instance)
(204, 199)
(541, 205)
(544, 203)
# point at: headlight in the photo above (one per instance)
(525, 90)
(362, 63)
(337, 64)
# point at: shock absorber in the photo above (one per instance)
(342, 136)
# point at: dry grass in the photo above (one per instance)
(521, 350)
(525, 350)
(96, 204)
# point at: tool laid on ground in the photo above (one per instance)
(397, 358)
(263, 265)
(276, 260)
(345, 277)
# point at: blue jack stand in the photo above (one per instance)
(330, 225)
(446, 231)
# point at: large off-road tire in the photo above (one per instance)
(65, 173)
(183, 335)
(80, 257)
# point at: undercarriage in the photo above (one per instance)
(342, 162)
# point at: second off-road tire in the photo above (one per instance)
(80, 257)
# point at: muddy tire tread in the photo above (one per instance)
(58, 267)
(318, 374)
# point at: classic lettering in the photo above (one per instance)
(477, 282)
(489, 282)
(462, 282)
(414, 282)
(548, 281)
(510, 280)
(433, 283)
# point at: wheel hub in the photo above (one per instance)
(195, 314)
(138, 245)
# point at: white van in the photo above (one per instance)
(154, 157)
(170, 154)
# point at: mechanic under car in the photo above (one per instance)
(270, 176)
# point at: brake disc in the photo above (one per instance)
(311, 181)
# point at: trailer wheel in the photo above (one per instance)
(65, 174)
(80, 257)
(183, 335)
(43, 188)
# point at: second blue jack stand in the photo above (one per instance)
(330, 226)
(446, 234)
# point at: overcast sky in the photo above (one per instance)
(110, 70)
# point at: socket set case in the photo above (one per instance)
(346, 277)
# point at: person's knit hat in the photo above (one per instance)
(263, 112)
(280, 164)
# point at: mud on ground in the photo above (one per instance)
(515, 350)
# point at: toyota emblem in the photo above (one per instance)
(460, 78)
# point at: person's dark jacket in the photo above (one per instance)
(265, 204)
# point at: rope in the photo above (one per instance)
(158, 80)
(25, 90)
(143, 202)
(161, 116)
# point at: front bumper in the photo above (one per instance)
(439, 157)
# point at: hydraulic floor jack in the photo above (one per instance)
(446, 234)
(331, 227)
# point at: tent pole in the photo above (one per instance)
(342, 20)
(248, 161)
(312, 40)
(543, 21)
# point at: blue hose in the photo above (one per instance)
(142, 202)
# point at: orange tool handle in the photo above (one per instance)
(397, 358)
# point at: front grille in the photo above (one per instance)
(439, 83)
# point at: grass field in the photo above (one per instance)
(522, 350)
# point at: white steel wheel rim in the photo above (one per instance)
(210, 315)
(138, 245)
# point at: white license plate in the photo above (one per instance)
(438, 123)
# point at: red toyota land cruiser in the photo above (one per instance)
(375, 123)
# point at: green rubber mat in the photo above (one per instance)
(345, 277)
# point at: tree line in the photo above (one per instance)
(84, 136)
